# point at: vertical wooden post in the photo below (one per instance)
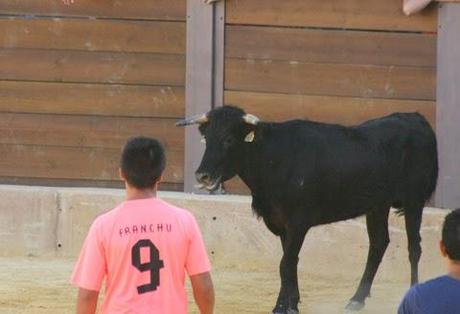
(204, 75)
(448, 106)
(219, 54)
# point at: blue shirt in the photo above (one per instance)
(437, 296)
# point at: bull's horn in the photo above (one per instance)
(250, 119)
(198, 119)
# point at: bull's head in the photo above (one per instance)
(225, 130)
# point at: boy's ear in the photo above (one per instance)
(157, 182)
(121, 175)
(442, 248)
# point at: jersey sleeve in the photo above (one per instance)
(90, 270)
(197, 260)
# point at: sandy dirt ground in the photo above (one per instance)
(40, 285)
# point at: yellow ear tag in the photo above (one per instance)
(250, 137)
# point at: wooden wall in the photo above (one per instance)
(77, 81)
(340, 61)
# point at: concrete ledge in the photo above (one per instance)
(28, 220)
(43, 221)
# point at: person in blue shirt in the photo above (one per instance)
(440, 295)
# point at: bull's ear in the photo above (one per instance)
(250, 137)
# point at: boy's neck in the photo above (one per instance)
(137, 194)
(453, 269)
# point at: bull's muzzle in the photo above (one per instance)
(206, 182)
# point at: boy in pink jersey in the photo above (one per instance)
(144, 247)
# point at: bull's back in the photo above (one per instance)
(409, 137)
(351, 170)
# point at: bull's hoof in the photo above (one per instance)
(288, 311)
(354, 306)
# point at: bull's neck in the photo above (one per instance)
(248, 166)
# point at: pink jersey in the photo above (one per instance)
(143, 248)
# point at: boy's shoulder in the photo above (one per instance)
(106, 215)
(182, 215)
(179, 211)
(434, 287)
(434, 282)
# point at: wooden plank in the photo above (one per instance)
(92, 67)
(236, 186)
(342, 110)
(139, 9)
(61, 182)
(448, 111)
(78, 163)
(164, 186)
(330, 46)
(199, 81)
(86, 131)
(92, 99)
(350, 14)
(93, 35)
(330, 79)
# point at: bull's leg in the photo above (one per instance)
(377, 229)
(413, 218)
(288, 298)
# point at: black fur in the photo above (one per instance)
(303, 173)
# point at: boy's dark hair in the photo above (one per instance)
(142, 162)
(451, 234)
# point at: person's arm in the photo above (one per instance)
(87, 301)
(413, 6)
(89, 271)
(198, 268)
(203, 292)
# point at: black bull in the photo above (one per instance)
(303, 173)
